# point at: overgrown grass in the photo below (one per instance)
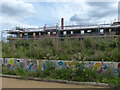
(90, 49)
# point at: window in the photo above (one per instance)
(71, 32)
(25, 33)
(39, 33)
(110, 30)
(34, 34)
(21, 35)
(64, 33)
(102, 31)
(54, 32)
(82, 32)
(88, 30)
(48, 33)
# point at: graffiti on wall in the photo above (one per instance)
(32, 65)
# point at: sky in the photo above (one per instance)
(37, 14)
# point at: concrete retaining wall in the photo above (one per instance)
(33, 65)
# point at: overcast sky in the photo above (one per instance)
(41, 13)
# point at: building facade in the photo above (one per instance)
(66, 31)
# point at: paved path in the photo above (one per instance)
(19, 83)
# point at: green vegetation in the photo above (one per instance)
(77, 73)
(90, 49)
(87, 49)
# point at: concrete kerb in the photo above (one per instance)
(59, 81)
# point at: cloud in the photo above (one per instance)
(77, 19)
(40, 13)
(16, 12)
(95, 12)
(17, 9)
(119, 10)
(102, 9)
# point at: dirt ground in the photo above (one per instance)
(18, 83)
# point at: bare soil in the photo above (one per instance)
(20, 83)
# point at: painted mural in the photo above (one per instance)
(33, 65)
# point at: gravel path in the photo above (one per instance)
(19, 83)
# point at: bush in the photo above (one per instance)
(64, 74)
(93, 49)
(9, 72)
(78, 74)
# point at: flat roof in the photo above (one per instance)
(70, 27)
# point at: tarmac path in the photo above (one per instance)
(20, 83)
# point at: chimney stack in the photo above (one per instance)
(62, 23)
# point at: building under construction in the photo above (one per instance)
(61, 31)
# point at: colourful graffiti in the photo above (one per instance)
(70, 63)
(39, 64)
(98, 65)
(11, 61)
(119, 65)
(32, 65)
(60, 63)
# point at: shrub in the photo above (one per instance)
(79, 73)
(91, 48)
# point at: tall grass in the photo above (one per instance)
(92, 49)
